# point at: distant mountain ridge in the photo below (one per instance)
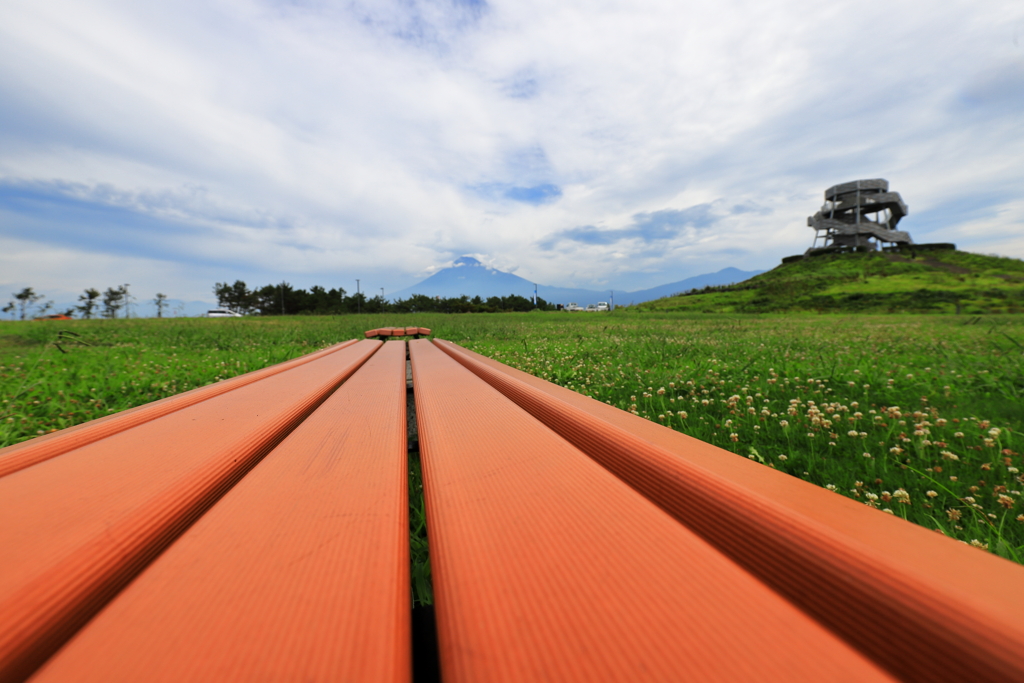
(469, 277)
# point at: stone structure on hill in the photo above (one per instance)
(858, 216)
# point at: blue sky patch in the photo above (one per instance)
(539, 194)
(647, 227)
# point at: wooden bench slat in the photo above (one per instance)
(22, 455)
(923, 605)
(397, 332)
(301, 571)
(547, 567)
(75, 529)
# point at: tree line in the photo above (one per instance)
(28, 304)
(283, 299)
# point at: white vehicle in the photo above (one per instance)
(573, 307)
(592, 308)
(603, 306)
(222, 313)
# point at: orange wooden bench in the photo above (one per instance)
(389, 332)
(259, 531)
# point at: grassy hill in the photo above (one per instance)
(930, 282)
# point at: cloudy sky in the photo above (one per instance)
(582, 143)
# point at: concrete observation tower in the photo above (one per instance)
(858, 216)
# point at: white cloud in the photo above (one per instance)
(319, 143)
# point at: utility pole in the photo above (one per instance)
(535, 297)
(381, 292)
(357, 296)
(127, 301)
(611, 294)
(282, 297)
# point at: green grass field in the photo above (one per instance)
(916, 415)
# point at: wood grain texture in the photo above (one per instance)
(926, 607)
(299, 573)
(77, 528)
(28, 453)
(548, 567)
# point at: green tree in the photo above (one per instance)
(113, 301)
(25, 302)
(89, 303)
(161, 303)
(237, 297)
